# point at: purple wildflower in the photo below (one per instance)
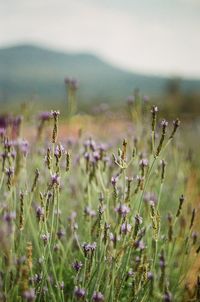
(150, 276)
(60, 233)
(126, 228)
(146, 98)
(23, 146)
(112, 237)
(39, 212)
(79, 292)
(44, 116)
(37, 278)
(10, 171)
(130, 273)
(150, 196)
(167, 297)
(144, 162)
(59, 150)
(72, 216)
(55, 179)
(162, 261)
(89, 212)
(89, 247)
(154, 109)
(55, 113)
(9, 216)
(72, 83)
(96, 155)
(45, 238)
(139, 244)
(90, 143)
(21, 260)
(114, 180)
(122, 210)
(29, 295)
(164, 123)
(194, 237)
(97, 297)
(77, 266)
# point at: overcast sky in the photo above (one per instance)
(159, 36)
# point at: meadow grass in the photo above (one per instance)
(82, 220)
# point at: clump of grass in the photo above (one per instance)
(84, 222)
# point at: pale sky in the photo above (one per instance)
(151, 36)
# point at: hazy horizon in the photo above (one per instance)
(147, 37)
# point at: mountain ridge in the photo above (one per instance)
(27, 70)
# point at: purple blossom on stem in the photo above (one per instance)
(112, 237)
(96, 155)
(90, 143)
(167, 297)
(55, 113)
(122, 210)
(139, 244)
(89, 212)
(10, 171)
(164, 123)
(9, 216)
(114, 180)
(55, 179)
(45, 116)
(77, 265)
(29, 294)
(146, 98)
(130, 273)
(60, 233)
(154, 109)
(162, 261)
(59, 150)
(72, 216)
(176, 123)
(89, 247)
(129, 179)
(97, 297)
(194, 237)
(126, 228)
(39, 212)
(23, 146)
(79, 292)
(72, 83)
(150, 196)
(144, 162)
(45, 238)
(21, 260)
(150, 276)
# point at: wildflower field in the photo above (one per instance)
(107, 215)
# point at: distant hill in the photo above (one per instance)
(27, 71)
